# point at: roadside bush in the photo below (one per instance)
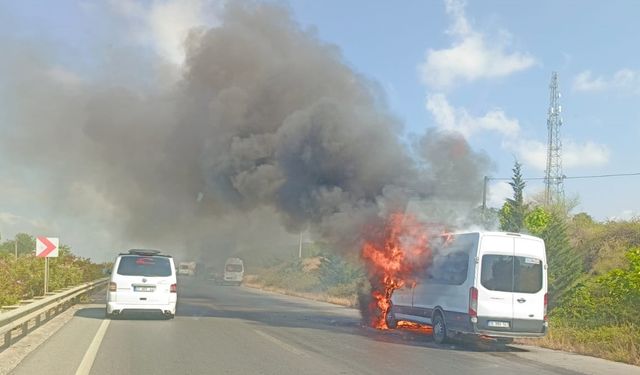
(609, 299)
(23, 278)
(326, 273)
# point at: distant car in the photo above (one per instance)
(233, 271)
(142, 280)
(187, 268)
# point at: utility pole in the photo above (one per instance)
(553, 179)
(484, 195)
(300, 246)
(15, 246)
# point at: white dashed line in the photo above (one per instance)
(92, 351)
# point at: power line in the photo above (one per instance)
(603, 175)
(569, 177)
(487, 179)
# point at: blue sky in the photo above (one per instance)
(481, 68)
(589, 43)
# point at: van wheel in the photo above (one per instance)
(392, 323)
(439, 329)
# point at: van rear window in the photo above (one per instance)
(507, 273)
(132, 265)
(234, 268)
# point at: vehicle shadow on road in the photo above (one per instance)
(98, 313)
(290, 314)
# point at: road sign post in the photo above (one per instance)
(47, 247)
(46, 275)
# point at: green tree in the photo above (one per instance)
(26, 245)
(537, 220)
(565, 265)
(514, 209)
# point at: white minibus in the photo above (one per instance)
(491, 284)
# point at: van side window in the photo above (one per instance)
(450, 269)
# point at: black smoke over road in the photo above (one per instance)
(267, 121)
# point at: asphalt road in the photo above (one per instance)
(237, 330)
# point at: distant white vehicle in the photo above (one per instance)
(142, 280)
(492, 284)
(233, 271)
(187, 268)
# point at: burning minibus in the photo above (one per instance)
(491, 284)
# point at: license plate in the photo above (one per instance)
(143, 289)
(497, 324)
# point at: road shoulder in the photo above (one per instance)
(16, 353)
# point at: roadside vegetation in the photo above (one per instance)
(320, 275)
(23, 277)
(594, 275)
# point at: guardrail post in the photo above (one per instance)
(7, 339)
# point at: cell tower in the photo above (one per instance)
(554, 190)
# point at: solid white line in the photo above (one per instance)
(92, 351)
(281, 343)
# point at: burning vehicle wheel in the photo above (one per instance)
(439, 329)
(392, 323)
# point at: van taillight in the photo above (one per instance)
(113, 286)
(174, 288)
(473, 302)
(546, 303)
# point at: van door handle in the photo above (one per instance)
(521, 300)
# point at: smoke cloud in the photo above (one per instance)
(268, 126)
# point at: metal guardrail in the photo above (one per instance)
(16, 324)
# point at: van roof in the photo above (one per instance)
(145, 252)
(496, 233)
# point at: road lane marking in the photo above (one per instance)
(92, 351)
(281, 343)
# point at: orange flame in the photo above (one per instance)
(416, 327)
(393, 262)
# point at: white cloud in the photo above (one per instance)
(450, 118)
(470, 57)
(64, 76)
(623, 79)
(531, 152)
(7, 218)
(10, 224)
(574, 155)
(498, 192)
(165, 24)
(625, 215)
(170, 23)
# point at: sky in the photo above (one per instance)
(479, 68)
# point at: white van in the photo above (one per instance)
(233, 271)
(187, 268)
(142, 280)
(492, 284)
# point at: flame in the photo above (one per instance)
(420, 328)
(393, 261)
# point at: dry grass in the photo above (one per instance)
(616, 343)
(252, 282)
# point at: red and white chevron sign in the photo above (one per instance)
(47, 247)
